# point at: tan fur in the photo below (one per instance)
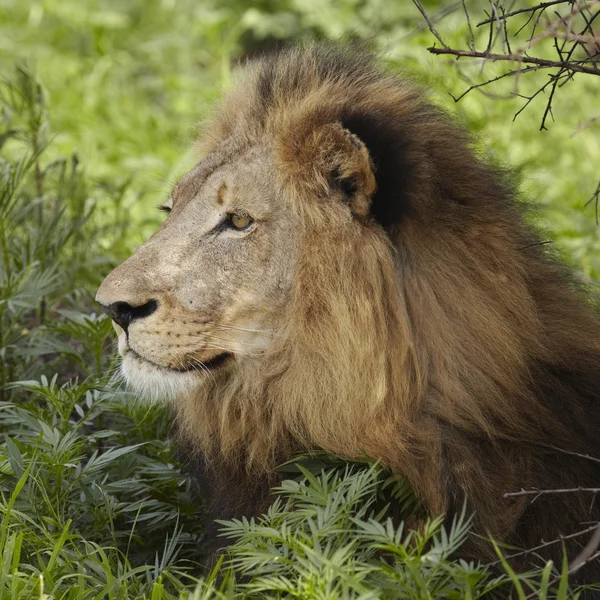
(443, 342)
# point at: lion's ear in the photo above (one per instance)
(338, 162)
(345, 166)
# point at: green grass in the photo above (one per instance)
(99, 102)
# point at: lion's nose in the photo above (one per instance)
(123, 313)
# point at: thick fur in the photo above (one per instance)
(438, 337)
(425, 325)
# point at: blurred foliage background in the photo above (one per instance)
(100, 102)
(128, 82)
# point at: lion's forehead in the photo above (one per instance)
(246, 179)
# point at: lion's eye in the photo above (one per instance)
(164, 208)
(239, 221)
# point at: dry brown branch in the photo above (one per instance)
(561, 538)
(557, 38)
(569, 452)
(531, 9)
(570, 28)
(587, 555)
(595, 199)
(587, 552)
(575, 66)
(429, 22)
(537, 493)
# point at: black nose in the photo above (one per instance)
(123, 313)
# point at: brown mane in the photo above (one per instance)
(437, 336)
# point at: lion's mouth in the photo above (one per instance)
(215, 362)
(199, 366)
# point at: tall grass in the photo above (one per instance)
(93, 503)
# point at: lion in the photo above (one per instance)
(342, 272)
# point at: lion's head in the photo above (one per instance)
(207, 291)
(341, 272)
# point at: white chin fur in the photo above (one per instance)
(155, 384)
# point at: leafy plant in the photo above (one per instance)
(93, 503)
(328, 536)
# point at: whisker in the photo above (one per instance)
(233, 327)
(215, 337)
(195, 362)
(122, 382)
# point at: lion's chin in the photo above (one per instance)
(157, 384)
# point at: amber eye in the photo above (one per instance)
(239, 221)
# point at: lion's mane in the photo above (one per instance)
(437, 336)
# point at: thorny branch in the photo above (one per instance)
(586, 556)
(590, 552)
(537, 493)
(540, 6)
(569, 65)
(560, 38)
(569, 452)
(561, 538)
(587, 553)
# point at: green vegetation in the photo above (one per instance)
(94, 501)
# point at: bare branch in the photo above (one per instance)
(537, 493)
(595, 199)
(532, 9)
(586, 556)
(429, 22)
(574, 66)
(472, 45)
(478, 86)
(587, 552)
(552, 81)
(585, 125)
(584, 456)
(561, 538)
(570, 31)
(496, 23)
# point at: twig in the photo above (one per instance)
(529, 99)
(585, 125)
(475, 86)
(429, 22)
(586, 456)
(506, 37)
(570, 571)
(541, 5)
(587, 552)
(560, 538)
(438, 16)
(595, 199)
(499, 23)
(469, 23)
(574, 66)
(538, 493)
(552, 28)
